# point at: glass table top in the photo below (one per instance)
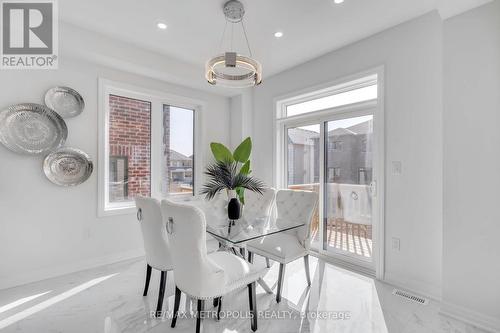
(243, 230)
(246, 229)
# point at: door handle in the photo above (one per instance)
(373, 188)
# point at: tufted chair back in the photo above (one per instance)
(194, 273)
(154, 234)
(296, 206)
(259, 205)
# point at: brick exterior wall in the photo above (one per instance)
(130, 137)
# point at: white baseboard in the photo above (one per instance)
(50, 272)
(415, 286)
(490, 324)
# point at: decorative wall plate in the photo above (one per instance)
(65, 101)
(31, 129)
(67, 166)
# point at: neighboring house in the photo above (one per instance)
(348, 155)
(180, 168)
(303, 156)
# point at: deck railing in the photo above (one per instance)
(340, 233)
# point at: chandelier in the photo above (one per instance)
(232, 69)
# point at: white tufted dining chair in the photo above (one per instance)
(200, 275)
(259, 205)
(291, 206)
(155, 241)
(213, 209)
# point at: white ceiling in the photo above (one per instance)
(311, 27)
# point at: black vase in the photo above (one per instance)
(233, 209)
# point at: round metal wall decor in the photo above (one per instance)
(67, 166)
(31, 129)
(65, 101)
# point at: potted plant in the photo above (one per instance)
(231, 172)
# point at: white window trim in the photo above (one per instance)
(282, 123)
(333, 88)
(158, 99)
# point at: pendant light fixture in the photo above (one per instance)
(232, 69)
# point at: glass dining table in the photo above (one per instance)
(238, 233)
(233, 235)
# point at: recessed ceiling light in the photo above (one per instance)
(161, 25)
(278, 34)
(338, 1)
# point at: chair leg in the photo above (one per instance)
(280, 282)
(176, 306)
(219, 308)
(250, 257)
(148, 277)
(268, 264)
(306, 266)
(163, 280)
(242, 252)
(253, 306)
(201, 305)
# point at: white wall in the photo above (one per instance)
(241, 107)
(411, 54)
(46, 230)
(471, 226)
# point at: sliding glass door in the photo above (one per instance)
(347, 198)
(330, 141)
(335, 159)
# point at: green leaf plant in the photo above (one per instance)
(231, 171)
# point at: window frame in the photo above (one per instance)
(195, 158)
(334, 88)
(157, 99)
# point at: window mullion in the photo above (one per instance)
(155, 148)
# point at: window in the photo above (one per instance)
(333, 175)
(178, 146)
(146, 146)
(333, 100)
(335, 145)
(129, 148)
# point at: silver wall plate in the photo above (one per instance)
(31, 129)
(65, 101)
(68, 166)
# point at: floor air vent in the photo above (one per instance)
(410, 296)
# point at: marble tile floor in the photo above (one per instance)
(109, 300)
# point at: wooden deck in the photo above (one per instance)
(352, 238)
(341, 235)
